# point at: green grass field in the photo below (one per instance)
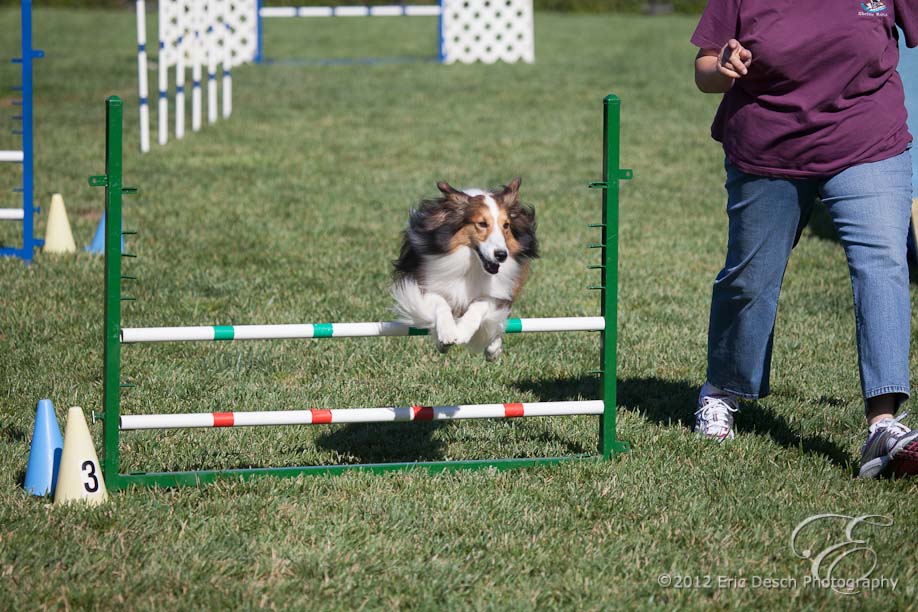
(291, 212)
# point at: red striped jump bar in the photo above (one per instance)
(360, 415)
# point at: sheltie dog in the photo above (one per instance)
(464, 259)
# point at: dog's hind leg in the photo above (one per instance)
(494, 349)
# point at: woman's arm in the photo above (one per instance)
(715, 70)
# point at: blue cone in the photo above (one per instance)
(98, 241)
(45, 454)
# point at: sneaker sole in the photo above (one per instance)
(874, 467)
(715, 437)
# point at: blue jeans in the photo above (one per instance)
(908, 70)
(870, 205)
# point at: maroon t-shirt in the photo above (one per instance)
(822, 93)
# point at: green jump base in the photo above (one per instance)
(200, 477)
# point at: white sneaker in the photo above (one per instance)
(714, 416)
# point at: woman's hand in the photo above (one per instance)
(715, 71)
(735, 60)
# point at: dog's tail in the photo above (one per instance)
(411, 305)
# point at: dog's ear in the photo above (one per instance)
(453, 194)
(523, 225)
(511, 191)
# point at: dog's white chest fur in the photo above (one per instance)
(459, 278)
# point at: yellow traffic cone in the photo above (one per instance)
(58, 237)
(80, 476)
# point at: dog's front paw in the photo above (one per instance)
(494, 349)
(447, 336)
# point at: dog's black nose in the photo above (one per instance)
(500, 255)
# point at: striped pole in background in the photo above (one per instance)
(359, 415)
(142, 88)
(165, 49)
(337, 330)
(196, 60)
(180, 48)
(395, 10)
(210, 44)
(227, 66)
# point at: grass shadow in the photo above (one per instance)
(668, 402)
(13, 433)
(820, 223)
(385, 442)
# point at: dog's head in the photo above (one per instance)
(494, 224)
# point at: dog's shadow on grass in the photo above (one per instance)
(385, 442)
(671, 403)
(406, 442)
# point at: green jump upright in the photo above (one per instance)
(113, 183)
(611, 175)
(115, 336)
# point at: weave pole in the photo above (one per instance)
(26, 156)
(114, 422)
(143, 93)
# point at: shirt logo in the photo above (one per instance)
(873, 7)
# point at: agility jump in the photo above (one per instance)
(115, 336)
(26, 213)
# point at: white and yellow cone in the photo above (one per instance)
(58, 237)
(80, 476)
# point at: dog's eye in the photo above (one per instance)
(506, 225)
(482, 224)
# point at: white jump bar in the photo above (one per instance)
(11, 214)
(349, 11)
(359, 415)
(337, 330)
(11, 156)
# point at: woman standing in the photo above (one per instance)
(812, 107)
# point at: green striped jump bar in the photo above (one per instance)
(337, 330)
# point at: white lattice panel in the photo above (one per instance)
(242, 21)
(488, 31)
(173, 29)
(224, 28)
